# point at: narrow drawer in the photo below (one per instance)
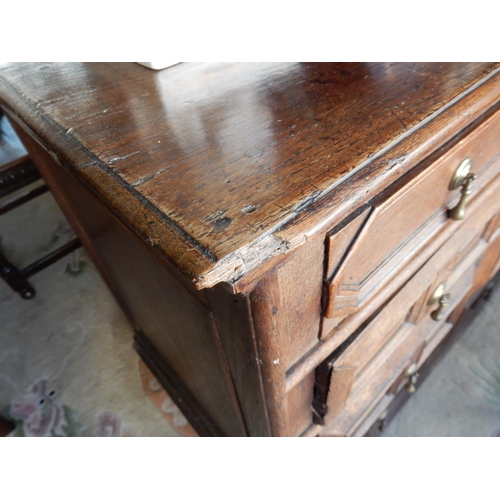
(436, 332)
(366, 253)
(365, 368)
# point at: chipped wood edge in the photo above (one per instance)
(241, 269)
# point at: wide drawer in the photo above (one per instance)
(362, 370)
(378, 243)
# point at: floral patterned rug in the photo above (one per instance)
(67, 366)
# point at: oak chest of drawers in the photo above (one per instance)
(290, 241)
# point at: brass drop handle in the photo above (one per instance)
(458, 213)
(462, 178)
(441, 298)
(412, 375)
(438, 314)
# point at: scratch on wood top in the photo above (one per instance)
(156, 148)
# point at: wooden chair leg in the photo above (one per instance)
(18, 171)
(17, 279)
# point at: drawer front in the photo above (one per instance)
(434, 333)
(468, 274)
(366, 253)
(362, 371)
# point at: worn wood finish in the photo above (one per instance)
(452, 330)
(286, 326)
(365, 396)
(294, 289)
(483, 206)
(232, 316)
(269, 352)
(274, 231)
(387, 361)
(402, 223)
(177, 390)
(174, 321)
(139, 138)
(299, 404)
(341, 238)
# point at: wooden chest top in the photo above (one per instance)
(226, 168)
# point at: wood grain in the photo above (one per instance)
(387, 360)
(195, 144)
(177, 324)
(231, 206)
(340, 239)
(482, 209)
(450, 335)
(299, 401)
(232, 316)
(403, 222)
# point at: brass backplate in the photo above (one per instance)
(438, 293)
(412, 369)
(460, 174)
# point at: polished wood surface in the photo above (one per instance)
(210, 161)
(236, 209)
(483, 206)
(382, 351)
(170, 318)
(402, 222)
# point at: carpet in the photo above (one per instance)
(67, 366)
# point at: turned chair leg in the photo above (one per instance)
(17, 279)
